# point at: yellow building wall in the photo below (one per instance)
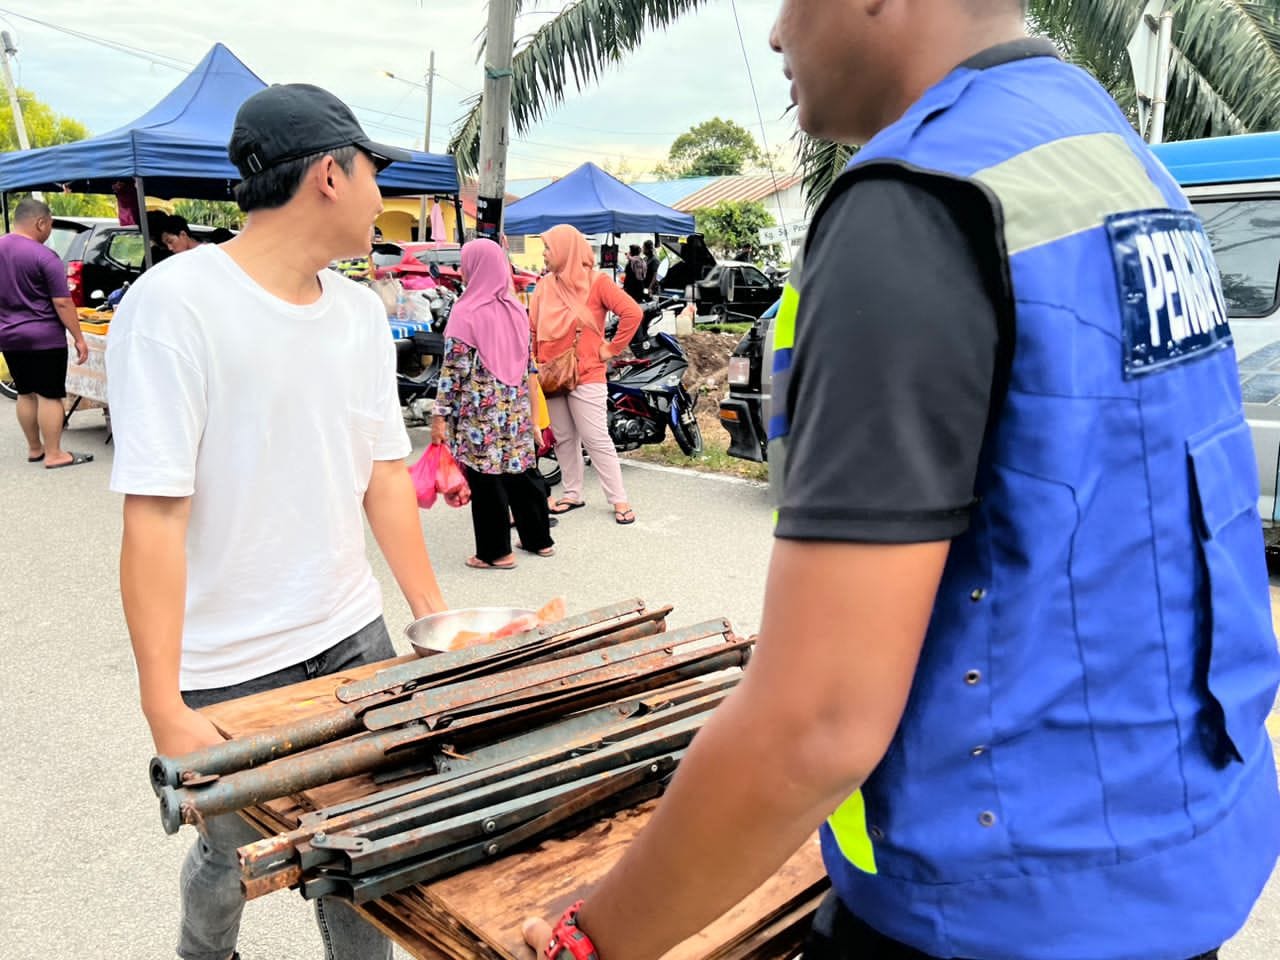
(399, 217)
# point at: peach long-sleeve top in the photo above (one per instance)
(605, 296)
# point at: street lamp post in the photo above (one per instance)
(429, 86)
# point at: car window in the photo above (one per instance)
(751, 277)
(714, 275)
(1246, 243)
(60, 240)
(126, 249)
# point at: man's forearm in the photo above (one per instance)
(153, 578)
(392, 508)
(732, 817)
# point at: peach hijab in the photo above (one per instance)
(560, 304)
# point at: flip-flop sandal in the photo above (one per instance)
(544, 552)
(624, 517)
(565, 506)
(475, 563)
(35, 459)
(75, 461)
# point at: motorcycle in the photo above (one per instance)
(647, 393)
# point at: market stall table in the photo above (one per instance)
(477, 913)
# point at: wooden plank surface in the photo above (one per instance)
(477, 913)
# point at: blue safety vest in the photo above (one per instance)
(1083, 770)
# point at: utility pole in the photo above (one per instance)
(495, 117)
(1149, 53)
(426, 145)
(19, 123)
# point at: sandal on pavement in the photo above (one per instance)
(624, 517)
(75, 461)
(35, 459)
(564, 505)
(544, 552)
(475, 563)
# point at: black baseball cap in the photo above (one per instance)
(291, 120)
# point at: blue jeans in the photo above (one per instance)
(211, 898)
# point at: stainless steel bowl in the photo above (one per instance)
(434, 633)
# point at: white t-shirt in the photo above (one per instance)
(270, 417)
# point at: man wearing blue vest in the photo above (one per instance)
(1016, 655)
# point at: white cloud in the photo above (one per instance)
(678, 78)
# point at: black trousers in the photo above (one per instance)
(495, 498)
(838, 935)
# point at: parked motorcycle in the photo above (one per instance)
(647, 394)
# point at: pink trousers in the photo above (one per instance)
(580, 419)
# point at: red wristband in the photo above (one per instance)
(568, 942)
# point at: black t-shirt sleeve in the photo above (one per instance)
(903, 299)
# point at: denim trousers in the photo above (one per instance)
(212, 902)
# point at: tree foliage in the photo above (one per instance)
(714, 148)
(1224, 77)
(732, 229)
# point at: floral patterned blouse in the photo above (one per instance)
(492, 422)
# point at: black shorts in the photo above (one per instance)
(43, 372)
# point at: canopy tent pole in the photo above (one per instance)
(4, 202)
(142, 221)
(462, 227)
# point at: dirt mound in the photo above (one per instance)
(708, 360)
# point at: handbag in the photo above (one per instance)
(538, 404)
(560, 373)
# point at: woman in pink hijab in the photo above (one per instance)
(483, 411)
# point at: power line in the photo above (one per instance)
(174, 63)
(764, 137)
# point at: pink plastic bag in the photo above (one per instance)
(423, 475)
(437, 474)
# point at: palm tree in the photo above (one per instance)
(1224, 79)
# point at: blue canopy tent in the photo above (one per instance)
(594, 202)
(1253, 156)
(179, 149)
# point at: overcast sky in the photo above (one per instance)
(690, 73)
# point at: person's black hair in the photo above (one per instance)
(276, 186)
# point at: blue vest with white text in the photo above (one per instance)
(1083, 771)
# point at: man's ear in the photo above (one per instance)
(324, 172)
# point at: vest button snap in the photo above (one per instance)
(987, 818)
(973, 677)
(977, 594)
(977, 751)
(876, 833)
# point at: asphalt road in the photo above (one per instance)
(88, 870)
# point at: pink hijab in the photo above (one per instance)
(488, 316)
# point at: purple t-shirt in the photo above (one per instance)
(31, 276)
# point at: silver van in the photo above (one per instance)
(1234, 184)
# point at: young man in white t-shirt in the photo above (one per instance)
(255, 413)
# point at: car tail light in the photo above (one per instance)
(739, 371)
(75, 282)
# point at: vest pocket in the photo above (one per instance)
(1239, 644)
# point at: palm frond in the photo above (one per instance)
(820, 162)
(574, 47)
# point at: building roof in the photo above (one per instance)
(754, 187)
(671, 192)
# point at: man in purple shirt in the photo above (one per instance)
(36, 313)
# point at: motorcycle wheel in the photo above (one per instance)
(9, 389)
(688, 434)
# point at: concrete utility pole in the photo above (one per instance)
(495, 117)
(1149, 53)
(18, 122)
(426, 143)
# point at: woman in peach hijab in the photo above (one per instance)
(571, 302)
